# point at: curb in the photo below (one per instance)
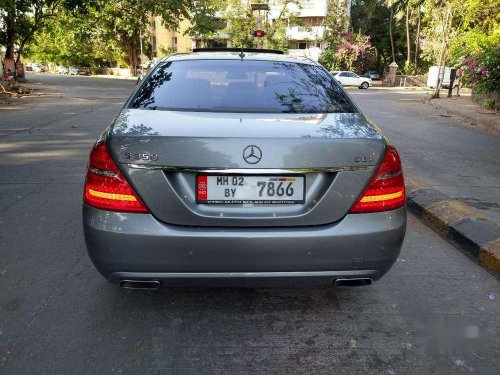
(467, 229)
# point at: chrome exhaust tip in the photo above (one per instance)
(353, 281)
(140, 284)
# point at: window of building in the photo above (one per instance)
(302, 45)
(312, 21)
(174, 43)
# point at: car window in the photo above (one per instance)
(241, 86)
(344, 74)
(353, 75)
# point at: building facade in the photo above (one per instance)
(164, 41)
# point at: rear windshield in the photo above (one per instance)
(241, 86)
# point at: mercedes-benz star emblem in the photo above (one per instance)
(252, 154)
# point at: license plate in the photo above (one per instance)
(245, 189)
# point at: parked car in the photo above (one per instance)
(352, 79)
(37, 68)
(372, 74)
(62, 69)
(244, 167)
(78, 70)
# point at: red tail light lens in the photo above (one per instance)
(386, 190)
(106, 187)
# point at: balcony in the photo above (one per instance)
(305, 33)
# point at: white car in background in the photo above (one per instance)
(62, 69)
(37, 68)
(352, 79)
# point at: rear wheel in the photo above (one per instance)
(364, 85)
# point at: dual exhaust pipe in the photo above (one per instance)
(140, 284)
(353, 281)
(155, 284)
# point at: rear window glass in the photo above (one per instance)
(241, 86)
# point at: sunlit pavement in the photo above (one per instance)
(435, 312)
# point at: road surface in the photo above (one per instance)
(59, 316)
(459, 160)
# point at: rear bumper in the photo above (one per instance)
(126, 246)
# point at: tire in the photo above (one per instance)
(364, 85)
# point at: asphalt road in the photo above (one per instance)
(58, 316)
(459, 160)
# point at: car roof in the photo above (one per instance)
(237, 56)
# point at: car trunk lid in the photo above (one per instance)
(161, 153)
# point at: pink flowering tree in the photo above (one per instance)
(481, 71)
(349, 52)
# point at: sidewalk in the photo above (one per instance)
(464, 107)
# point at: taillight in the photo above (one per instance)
(106, 187)
(386, 190)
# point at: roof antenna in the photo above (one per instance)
(242, 54)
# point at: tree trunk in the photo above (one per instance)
(417, 43)
(132, 59)
(10, 26)
(408, 43)
(391, 36)
(442, 54)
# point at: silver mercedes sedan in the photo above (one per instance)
(242, 168)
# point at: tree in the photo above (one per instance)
(444, 22)
(204, 23)
(73, 39)
(371, 17)
(125, 20)
(23, 18)
(350, 52)
(336, 21)
(241, 21)
(391, 4)
(417, 38)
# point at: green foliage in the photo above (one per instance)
(204, 24)
(72, 40)
(481, 70)
(349, 52)
(336, 21)
(165, 51)
(110, 32)
(346, 50)
(489, 104)
(474, 24)
(372, 17)
(241, 22)
(23, 18)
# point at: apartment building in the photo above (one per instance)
(163, 39)
(305, 40)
